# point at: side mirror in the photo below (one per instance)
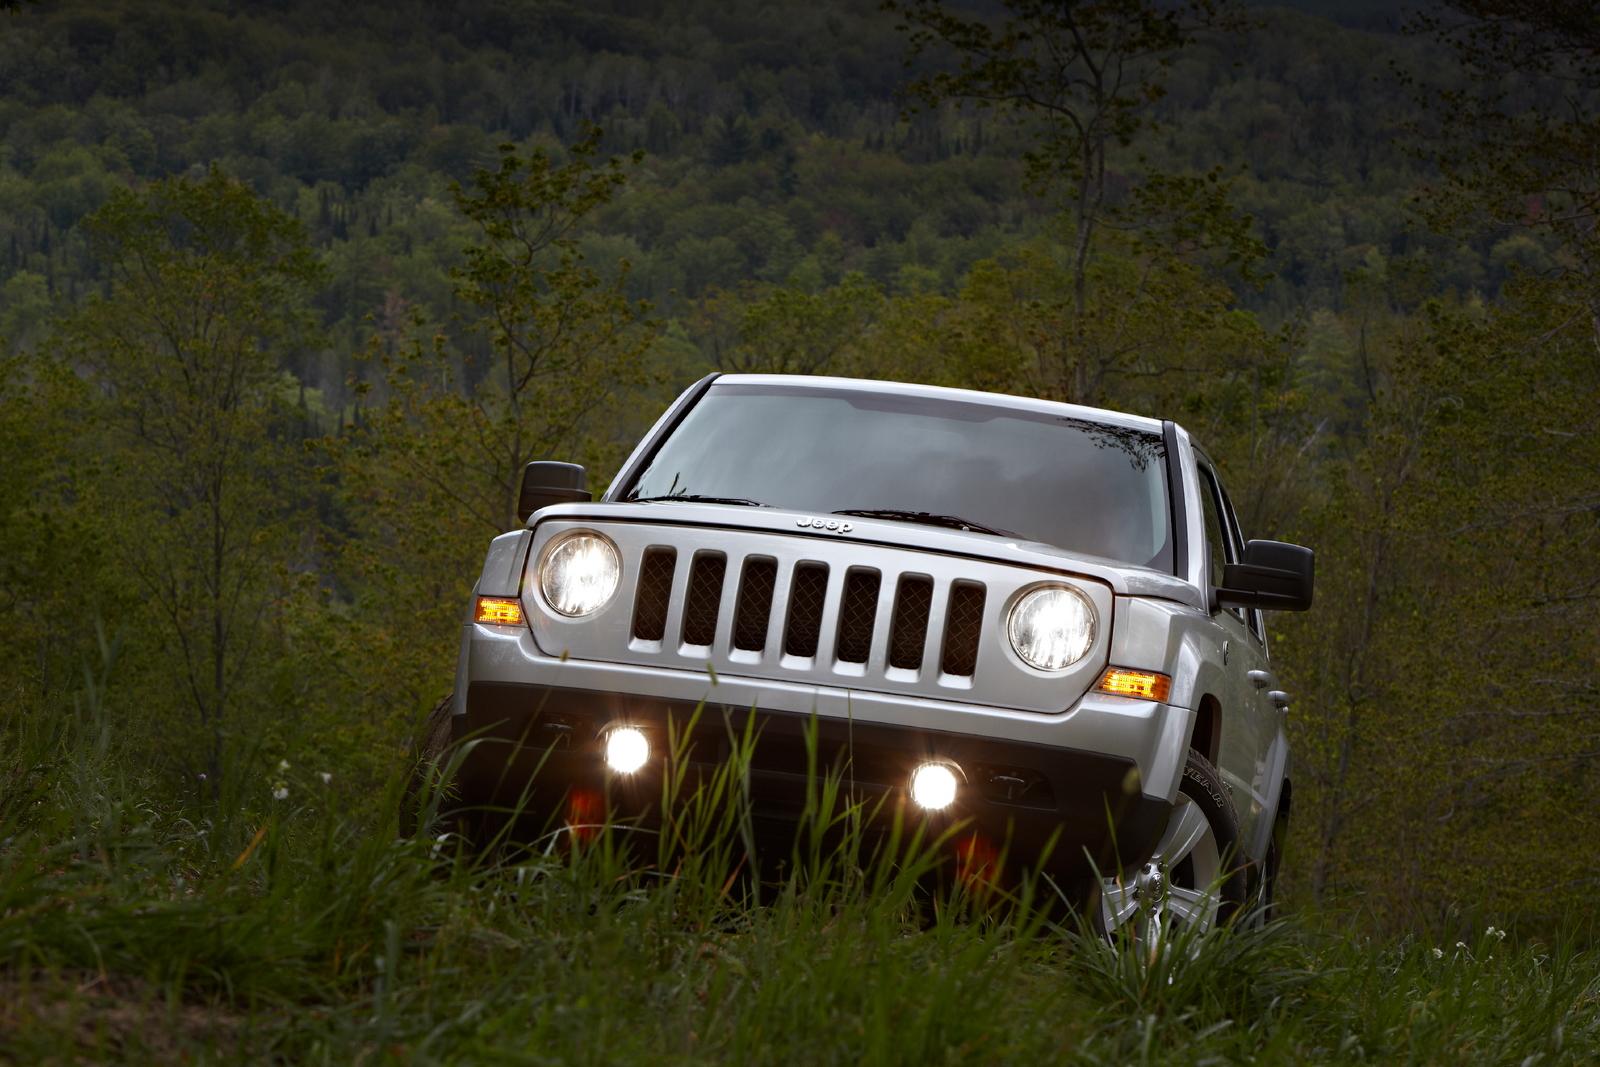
(545, 482)
(1274, 577)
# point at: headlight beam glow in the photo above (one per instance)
(933, 786)
(627, 749)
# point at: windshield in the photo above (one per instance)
(1080, 485)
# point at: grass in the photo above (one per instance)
(293, 930)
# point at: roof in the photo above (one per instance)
(1002, 400)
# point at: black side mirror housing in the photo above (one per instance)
(1274, 576)
(546, 482)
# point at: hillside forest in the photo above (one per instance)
(290, 292)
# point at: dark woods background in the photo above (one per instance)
(290, 291)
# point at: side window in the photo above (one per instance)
(1236, 539)
(1222, 540)
(1216, 538)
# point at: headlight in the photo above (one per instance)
(1052, 628)
(579, 573)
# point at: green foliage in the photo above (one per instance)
(208, 297)
(431, 467)
(1533, 109)
(284, 929)
(564, 338)
(1087, 73)
(283, 324)
(786, 330)
(1083, 77)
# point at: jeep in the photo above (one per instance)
(1036, 622)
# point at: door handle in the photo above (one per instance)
(1280, 699)
(1260, 679)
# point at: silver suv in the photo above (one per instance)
(1036, 619)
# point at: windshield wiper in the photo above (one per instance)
(928, 518)
(695, 498)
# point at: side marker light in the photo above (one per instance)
(1141, 685)
(499, 611)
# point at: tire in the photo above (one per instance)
(1202, 784)
(427, 758)
(1267, 896)
(1195, 877)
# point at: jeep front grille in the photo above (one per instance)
(912, 603)
(704, 596)
(857, 610)
(962, 628)
(754, 608)
(887, 621)
(654, 594)
(804, 620)
(807, 594)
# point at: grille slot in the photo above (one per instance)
(806, 594)
(857, 609)
(962, 628)
(705, 594)
(654, 593)
(909, 633)
(753, 611)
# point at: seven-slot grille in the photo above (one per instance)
(802, 624)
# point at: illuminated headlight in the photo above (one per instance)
(579, 573)
(1052, 627)
(933, 786)
(627, 749)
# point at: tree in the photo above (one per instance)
(208, 294)
(1083, 76)
(785, 330)
(1517, 143)
(565, 338)
(434, 469)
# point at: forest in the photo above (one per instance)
(290, 292)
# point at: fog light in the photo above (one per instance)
(626, 749)
(933, 786)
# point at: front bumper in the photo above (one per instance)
(1153, 737)
(539, 752)
(1099, 777)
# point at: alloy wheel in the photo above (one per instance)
(1175, 889)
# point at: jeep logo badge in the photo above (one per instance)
(825, 524)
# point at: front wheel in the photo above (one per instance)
(1194, 880)
(428, 758)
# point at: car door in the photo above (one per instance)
(1249, 727)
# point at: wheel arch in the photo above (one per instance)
(1206, 737)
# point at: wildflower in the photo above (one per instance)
(325, 776)
(1497, 934)
(1438, 953)
(1462, 945)
(283, 765)
(280, 792)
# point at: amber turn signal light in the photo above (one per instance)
(1141, 685)
(499, 611)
